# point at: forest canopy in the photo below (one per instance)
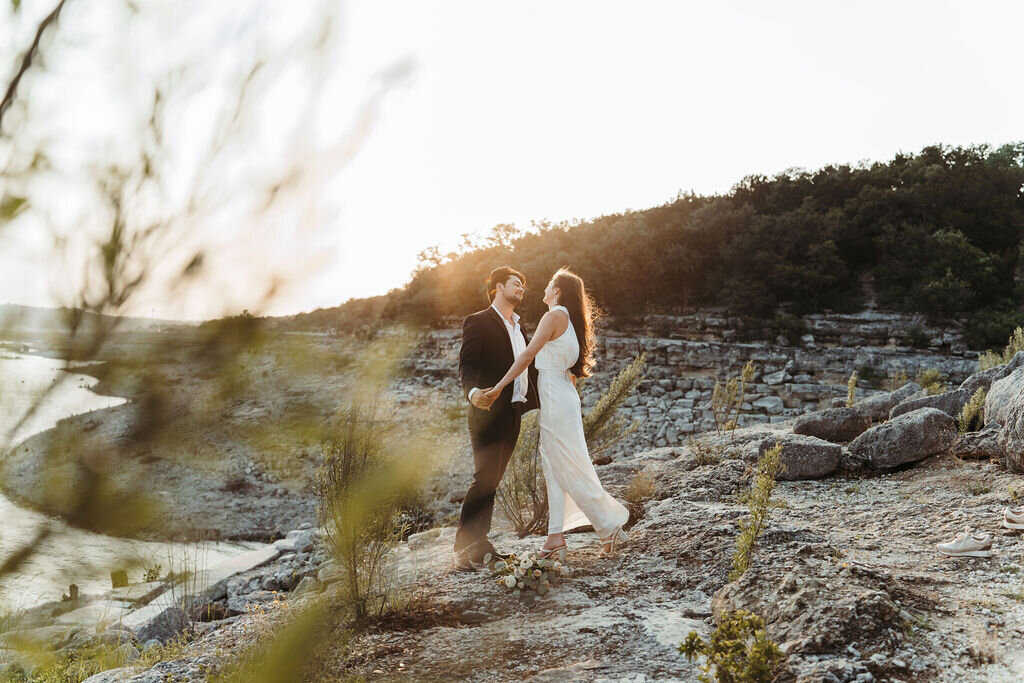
(939, 233)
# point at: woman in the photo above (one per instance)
(563, 347)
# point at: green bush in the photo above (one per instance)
(738, 651)
(972, 415)
(991, 359)
(916, 337)
(932, 380)
(988, 328)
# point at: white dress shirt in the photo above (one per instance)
(515, 335)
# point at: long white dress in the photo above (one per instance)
(575, 495)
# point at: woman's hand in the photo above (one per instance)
(493, 393)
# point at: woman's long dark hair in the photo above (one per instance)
(582, 312)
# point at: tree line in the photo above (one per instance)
(938, 233)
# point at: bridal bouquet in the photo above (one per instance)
(527, 573)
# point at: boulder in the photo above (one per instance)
(809, 611)
(805, 457)
(1002, 395)
(1011, 437)
(165, 626)
(908, 438)
(833, 424)
(877, 406)
(980, 445)
(985, 378)
(951, 403)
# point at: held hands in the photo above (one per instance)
(481, 399)
(493, 393)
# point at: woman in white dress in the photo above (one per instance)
(563, 347)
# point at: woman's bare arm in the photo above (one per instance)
(545, 332)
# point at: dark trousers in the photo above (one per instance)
(493, 444)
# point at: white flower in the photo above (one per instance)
(526, 563)
(557, 564)
(487, 558)
(510, 581)
(521, 584)
(499, 565)
(537, 573)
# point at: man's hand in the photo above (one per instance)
(481, 400)
(491, 394)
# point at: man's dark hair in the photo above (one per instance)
(500, 276)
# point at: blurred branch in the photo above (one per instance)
(26, 61)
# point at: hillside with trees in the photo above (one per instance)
(939, 233)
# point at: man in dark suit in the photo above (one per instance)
(491, 340)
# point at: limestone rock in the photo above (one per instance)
(807, 612)
(985, 378)
(165, 626)
(908, 438)
(877, 407)
(980, 445)
(805, 457)
(951, 403)
(833, 424)
(770, 404)
(1001, 396)
(1011, 438)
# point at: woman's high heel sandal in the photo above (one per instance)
(557, 553)
(617, 538)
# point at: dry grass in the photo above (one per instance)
(641, 489)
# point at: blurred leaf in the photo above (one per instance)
(16, 5)
(11, 206)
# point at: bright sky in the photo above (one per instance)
(492, 113)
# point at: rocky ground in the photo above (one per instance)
(846, 574)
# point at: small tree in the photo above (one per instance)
(360, 530)
(738, 650)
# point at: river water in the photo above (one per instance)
(70, 555)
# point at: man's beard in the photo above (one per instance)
(514, 300)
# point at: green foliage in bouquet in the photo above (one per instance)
(527, 573)
(738, 650)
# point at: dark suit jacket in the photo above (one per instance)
(485, 357)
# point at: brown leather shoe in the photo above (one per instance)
(462, 562)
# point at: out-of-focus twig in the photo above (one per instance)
(27, 59)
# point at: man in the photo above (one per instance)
(491, 340)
